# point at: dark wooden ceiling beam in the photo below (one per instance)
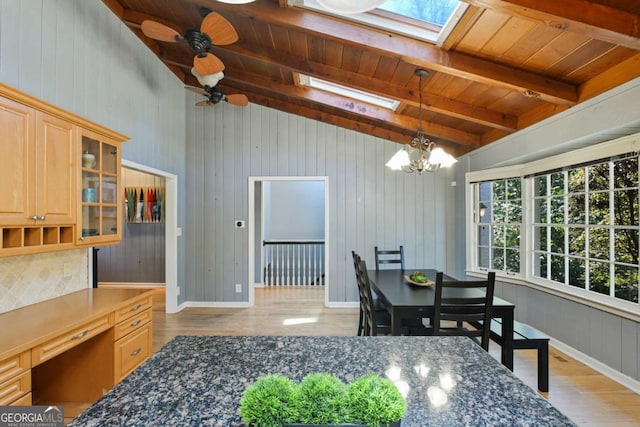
(342, 103)
(585, 17)
(265, 98)
(362, 109)
(415, 52)
(435, 103)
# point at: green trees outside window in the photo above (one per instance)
(499, 222)
(583, 224)
(585, 227)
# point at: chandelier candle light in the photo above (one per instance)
(423, 155)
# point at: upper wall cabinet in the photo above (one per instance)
(59, 178)
(101, 199)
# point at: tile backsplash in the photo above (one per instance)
(29, 279)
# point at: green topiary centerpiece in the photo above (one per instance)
(322, 399)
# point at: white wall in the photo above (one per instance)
(294, 210)
(77, 55)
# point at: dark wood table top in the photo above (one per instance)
(392, 289)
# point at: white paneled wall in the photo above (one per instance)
(77, 55)
(369, 205)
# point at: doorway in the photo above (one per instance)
(171, 231)
(260, 225)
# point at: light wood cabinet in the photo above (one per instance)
(41, 199)
(100, 207)
(15, 379)
(72, 349)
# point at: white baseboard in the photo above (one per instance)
(605, 370)
(212, 304)
(343, 304)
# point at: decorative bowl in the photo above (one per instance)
(428, 283)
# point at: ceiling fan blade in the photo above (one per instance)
(203, 104)
(208, 64)
(158, 31)
(238, 99)
(219, 29)
(197, 90)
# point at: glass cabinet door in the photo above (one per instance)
(100, 176)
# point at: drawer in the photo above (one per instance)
(131, 324)
(14, 366)
(64, 342)
(15, 388)
(132, 350)
(133, 308)
(25, 400)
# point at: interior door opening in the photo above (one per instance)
(288, 232)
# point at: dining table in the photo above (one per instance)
(404, 300)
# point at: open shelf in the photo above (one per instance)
(14, 238)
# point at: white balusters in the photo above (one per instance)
(289, 263)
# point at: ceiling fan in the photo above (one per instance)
(214, 30)
(215, 95)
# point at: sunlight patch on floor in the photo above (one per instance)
(299, 321)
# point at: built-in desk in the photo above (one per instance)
(70, 350)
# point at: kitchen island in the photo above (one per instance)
(199, 380)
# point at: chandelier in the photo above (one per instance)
(422, 155)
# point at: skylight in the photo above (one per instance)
(429, 20)
(431, 11)
(338, 89)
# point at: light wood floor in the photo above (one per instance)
(584, 395)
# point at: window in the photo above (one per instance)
(429, 20)
(435, 12)
(498, 223)
(339, 89)
(570, 222)
(585, 227)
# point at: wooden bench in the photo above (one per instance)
(527, 337)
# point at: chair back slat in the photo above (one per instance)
(464, 301)
(389, 256)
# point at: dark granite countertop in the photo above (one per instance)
(198, 381)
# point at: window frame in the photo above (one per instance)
(526, 171)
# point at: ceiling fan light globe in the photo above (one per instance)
(210, 80)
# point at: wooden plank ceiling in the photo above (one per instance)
(506, 65)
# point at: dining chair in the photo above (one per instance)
(389, 256)
(375, 322)
(356, 267)
(468, 303)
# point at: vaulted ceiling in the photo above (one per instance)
(507, 64)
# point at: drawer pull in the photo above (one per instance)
(136, 323)
(135, 353)
(134, 308)
(80, 335)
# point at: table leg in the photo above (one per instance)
(396, 322)
(507, 337)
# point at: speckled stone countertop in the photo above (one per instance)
(198, 381)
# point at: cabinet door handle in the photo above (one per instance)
(136, 323)
(80, 335)
(136, 352)
(82, 238)
(42, 218)
(134, 308)
(35, 217)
